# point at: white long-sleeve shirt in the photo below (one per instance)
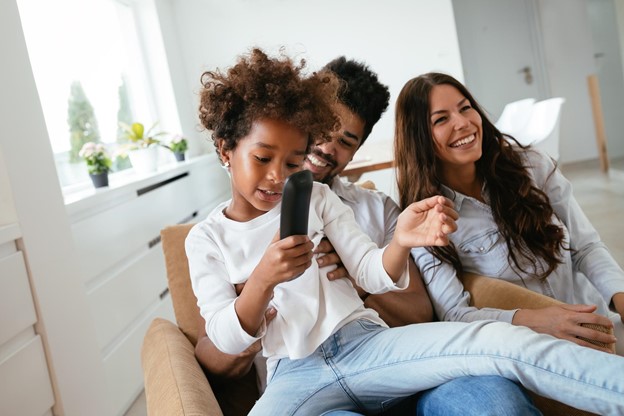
(223, 252)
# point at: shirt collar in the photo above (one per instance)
(458, 198)
(344, 190)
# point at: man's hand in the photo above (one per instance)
(565, 322)
(426, 223)
(329, 258)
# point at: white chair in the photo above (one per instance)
(515, 115)
(542, 129)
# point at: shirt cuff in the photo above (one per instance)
(232, 338)
(507, 316)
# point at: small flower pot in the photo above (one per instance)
(99, 179)
(179, 156)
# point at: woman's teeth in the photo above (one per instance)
(464, 141)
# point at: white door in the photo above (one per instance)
(500, 53)
(605, 40)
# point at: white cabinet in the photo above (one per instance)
(117, 240)
(25, 385)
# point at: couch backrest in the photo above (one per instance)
(182, 296)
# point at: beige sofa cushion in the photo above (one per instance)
(173, 378)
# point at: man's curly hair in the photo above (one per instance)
(258, 87)
(360, 91)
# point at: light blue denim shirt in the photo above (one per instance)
(588, 274)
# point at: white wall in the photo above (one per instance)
(64, 321)
(398, 39)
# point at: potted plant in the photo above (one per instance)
(178, 145)
(142, 146)
(98, 162)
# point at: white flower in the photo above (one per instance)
(87, 150)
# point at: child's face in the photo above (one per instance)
(259, 165)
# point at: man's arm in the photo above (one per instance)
(404, 307)
(223, 365)
(219, 363)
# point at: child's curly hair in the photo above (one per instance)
(260, 87)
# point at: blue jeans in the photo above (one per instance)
(366, 368)
(464, 396)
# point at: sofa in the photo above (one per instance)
(176, 385)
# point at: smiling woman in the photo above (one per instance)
(518, 219)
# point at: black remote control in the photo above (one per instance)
(296, 204)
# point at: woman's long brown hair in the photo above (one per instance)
(521, 211)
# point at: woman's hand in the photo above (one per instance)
(565, 322)
(426, 223)
(618, 302)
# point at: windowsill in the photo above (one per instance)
(124, 186)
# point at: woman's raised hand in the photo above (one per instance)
(426, 223)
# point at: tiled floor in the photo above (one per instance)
(602, 198)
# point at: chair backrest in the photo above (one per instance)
(543, 127)
(515, 115)
(184, 300)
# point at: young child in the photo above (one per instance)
(325, 349)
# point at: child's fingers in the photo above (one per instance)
(449, 211)
(426, 204)
(294, 241)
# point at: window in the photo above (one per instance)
(88, 64)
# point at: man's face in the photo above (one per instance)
(327, 160)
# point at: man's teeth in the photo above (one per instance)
(270, 192)
(462, 142)
(316, 161)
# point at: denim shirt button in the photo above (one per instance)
(481, 248)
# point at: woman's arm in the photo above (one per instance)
(589, 254)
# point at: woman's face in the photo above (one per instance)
(456, 127)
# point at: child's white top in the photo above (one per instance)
(310, 308)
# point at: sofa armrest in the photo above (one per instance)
(487, 292)
(174, 381)
(496, 293)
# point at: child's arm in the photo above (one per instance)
(423, 223)
(283, 261)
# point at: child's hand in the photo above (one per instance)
(285, 259)
(426, 223)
